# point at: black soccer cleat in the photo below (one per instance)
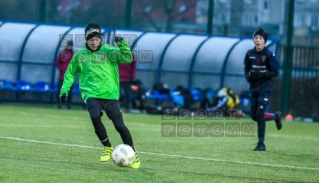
(260, 147)
(278, 120)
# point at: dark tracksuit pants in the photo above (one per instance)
(113, 111)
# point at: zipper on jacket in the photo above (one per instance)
(257, 57)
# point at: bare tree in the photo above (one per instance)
(171, 9)
(104, 13)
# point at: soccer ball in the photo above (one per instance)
(123, 155)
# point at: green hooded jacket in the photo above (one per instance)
(98, 71)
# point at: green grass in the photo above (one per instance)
(44, 144)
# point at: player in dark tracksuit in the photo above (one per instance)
(261, 66)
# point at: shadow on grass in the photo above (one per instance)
(302, 156)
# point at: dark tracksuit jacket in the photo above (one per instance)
(262, 61)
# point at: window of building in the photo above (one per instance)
(222, 19)
(298, 20)
(223, 1)
(266, 5)
(313, 19)
(245, 19)
(256, 19)
(308, 19)
(182, 8)
(248, 1)
(148, 8)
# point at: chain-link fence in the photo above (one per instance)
(229, 17)
(304, 91)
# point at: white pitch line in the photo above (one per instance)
(158, 127)
(135, 126)
(168, 155)
(80, 119)
(39, 126)
(293, 137)
(142, 125)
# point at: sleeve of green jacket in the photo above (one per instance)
(70, 75)
(121, 54)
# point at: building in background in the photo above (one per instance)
(306, 22)
(169, 15)
(230, 17)
(242, 17)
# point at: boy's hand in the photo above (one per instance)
(249, 78)
(63, 97)
(261, 75)
(117, 38)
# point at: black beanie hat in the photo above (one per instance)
(69, 43)
(92, 30)
(261, 33)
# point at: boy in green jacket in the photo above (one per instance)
(97, 65)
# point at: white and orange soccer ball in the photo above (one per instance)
(123, 155)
